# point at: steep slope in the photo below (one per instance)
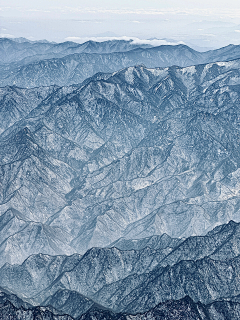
(132, 281)
(16, 103)
(143, 162)
(21, 238)
(38, 278)
(25, 165)
(36, 184)
(111, 295)
(175, 310)
(184, 135)
(12, 50)
(71, 302)
(69, 63)
(15, 300)
(139, 152)
(154, 242)
(182, 278)
(36, 273)
(8, 312)
(75, 68)
(204, 280)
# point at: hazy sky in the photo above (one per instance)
(205, 23)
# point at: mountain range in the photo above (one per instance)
(119, 182)
(13, 50)
(132, 154)
(200, 271)
(34, 64)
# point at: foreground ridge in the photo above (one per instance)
(205, 268)
(175, 310)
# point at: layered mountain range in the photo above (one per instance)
(136, 153)
(13, 50)
(33, 64)
(119, 192)
(201, 271)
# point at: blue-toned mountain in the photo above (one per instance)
(175, 310)
(132, 154)
(206, 268)
(12, 50)
(36, 64)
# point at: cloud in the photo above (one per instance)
(6, 35)
(38, 10)
(201, 11)
(153, 42)
(112, 11)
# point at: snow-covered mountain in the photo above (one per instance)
(205, 268)
(174, 310)
(12, 50)
(27, 64)
(8, 312)
(132, 154)
(118, 194)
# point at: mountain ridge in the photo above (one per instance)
(133, 280)
(122, 144)
(171, 309)
(119, 192)
(74, 68)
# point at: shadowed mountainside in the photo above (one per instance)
(206, 268)
(132, 154)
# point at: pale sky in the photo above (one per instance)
(211, 23)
